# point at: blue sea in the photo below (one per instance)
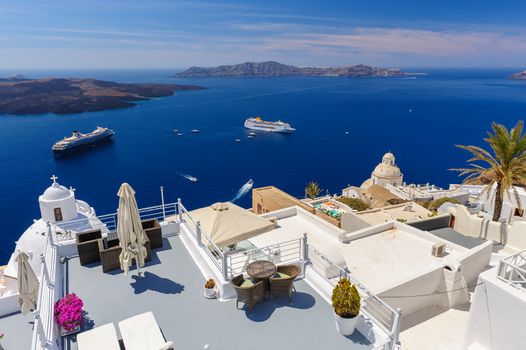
(420, 120)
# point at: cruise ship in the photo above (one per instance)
(256, 123)
(430, 284)
(78, 139)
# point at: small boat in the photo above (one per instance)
(195, 131)
(251, 134)
(346, 133)
(238, 140)
(179, 134)
(410, 110)
(176, 130)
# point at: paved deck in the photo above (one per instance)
(18, 330)
(453, 236)
(172, 288)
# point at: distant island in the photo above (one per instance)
(276, 69)
(19, 95)
(519, 75)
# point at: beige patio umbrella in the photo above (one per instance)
(27, 284)
(227, 223)
(129, 230)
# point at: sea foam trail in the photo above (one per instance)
(188, 177)
(243, 190)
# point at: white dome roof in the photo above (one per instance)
(56, 192)
(389, 156)
(385, 170)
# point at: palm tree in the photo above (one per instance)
(312, 190)
(505, 166)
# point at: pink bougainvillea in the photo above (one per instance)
(68, 312)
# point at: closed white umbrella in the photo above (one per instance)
(129, 230)
(27, 284)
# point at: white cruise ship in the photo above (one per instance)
(257, 123)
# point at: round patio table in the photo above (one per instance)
(262, 270)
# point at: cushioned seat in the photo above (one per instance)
(102, 337)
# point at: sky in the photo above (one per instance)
(177, 34)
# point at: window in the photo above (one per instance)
(518, 212)
(58, 214)
(258, 209)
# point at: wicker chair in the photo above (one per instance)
(284, 286)
(109, 252)
(154, 232)
(248, 295)
(87, 246)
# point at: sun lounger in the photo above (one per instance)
(102, 337)
(142, 332)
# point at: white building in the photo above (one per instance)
(427, 192)
(484, 202)
(386, 172)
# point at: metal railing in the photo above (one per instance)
(216, 255)
(512, 270)
(44, 324)
(277, 253)
(108, 222)
(383, 315)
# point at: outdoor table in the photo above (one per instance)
(262, 270)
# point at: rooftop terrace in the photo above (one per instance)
(172, 288)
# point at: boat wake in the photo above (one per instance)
(243, 190)
(188, 177)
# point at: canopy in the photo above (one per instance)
(226, 223)
(27, 284)
(129, 230)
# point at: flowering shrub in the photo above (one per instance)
(1, 335)
(68, 312)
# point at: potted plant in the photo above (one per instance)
(210, 288)
(68, 314)
(346, 306)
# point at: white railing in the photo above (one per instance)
(277, 253)
(512, 270)
(216, 255)
(108, 223)
(44, 329)
(383, 315)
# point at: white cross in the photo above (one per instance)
(54, 178)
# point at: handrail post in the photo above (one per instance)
(225, 265)
(396, 327)
(305, 247)
(49, 233)
(179, 210)
(198, 233)
(41, 332)
(162, 201)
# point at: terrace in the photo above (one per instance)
(172, 288)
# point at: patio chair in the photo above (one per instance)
(109, 251)
(141, 332)
(87, 246)
(153, 230)
(251, 294)
(102, 337)
(283, 282)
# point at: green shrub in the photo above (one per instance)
(354, 203)
(346, 299)
(312, 190)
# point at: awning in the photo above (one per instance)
(226, 223)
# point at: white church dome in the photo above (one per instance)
(56, 192)
(387, 168)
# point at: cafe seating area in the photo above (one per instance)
(265, 281)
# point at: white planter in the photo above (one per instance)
(210, 293)
(345, 326)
